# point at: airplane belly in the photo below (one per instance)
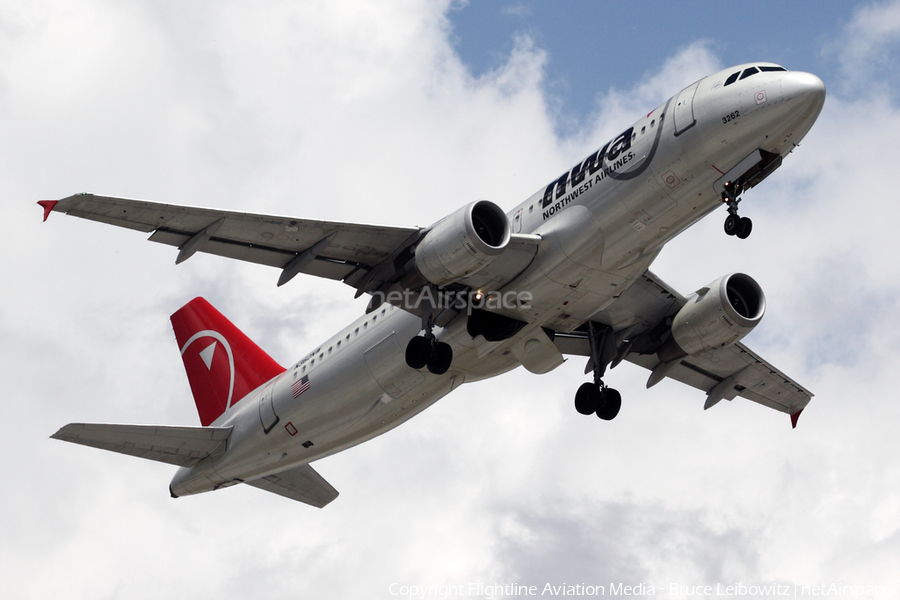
(350, 397)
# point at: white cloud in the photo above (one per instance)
(867, 51)
(518, 10)
(361, 112)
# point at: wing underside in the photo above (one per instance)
(334, 250)
(723, 374)
(365, 257)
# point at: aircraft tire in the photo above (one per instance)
(612, 402)
(418, 351)
(745, 226)
(587, 398)
(443, 357)
(732, 224)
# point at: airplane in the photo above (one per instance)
(479, 293)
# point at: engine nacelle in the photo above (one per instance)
(463, 243)
(715, 316)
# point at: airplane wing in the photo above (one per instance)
(342, 251)
(735, 371)
(180, 446)
(301, 483)
(364, 257)
(723, 374)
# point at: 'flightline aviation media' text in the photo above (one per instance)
(492, 591)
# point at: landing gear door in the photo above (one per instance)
(267, 416)
(684, 109)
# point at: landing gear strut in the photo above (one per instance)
(425, 350)
(596, 397)
(734, 224)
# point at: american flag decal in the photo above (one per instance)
(300, 386)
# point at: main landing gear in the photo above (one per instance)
(598, 398)
(595, 397)
(735, 225)
(426, 351)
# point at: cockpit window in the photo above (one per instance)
(748, 72)
(752, 71)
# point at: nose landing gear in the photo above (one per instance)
(734, 224)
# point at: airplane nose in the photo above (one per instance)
(805, 91)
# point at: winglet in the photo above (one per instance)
(48, 206)
(794, 418)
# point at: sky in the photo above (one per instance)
(398, 112)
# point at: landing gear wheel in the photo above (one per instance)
(732, 224)
(609, 408)
(441, 359)
(745, 226)
(418, 352)
(735, 225)
(587, 398)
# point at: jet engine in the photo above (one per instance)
(463, 243)
(715, 316)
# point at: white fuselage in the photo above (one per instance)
(601, 224)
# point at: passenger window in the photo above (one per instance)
(749, 72)
(732, 78)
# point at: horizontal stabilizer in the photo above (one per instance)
(181, 446)
(301, 483)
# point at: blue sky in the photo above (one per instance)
(398, 112)
(594, 46)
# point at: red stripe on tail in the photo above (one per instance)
(223, 365)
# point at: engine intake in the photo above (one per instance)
(715, 316)
(462, 243)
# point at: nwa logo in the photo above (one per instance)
(209, 362)
(591, 171)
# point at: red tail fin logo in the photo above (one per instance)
(223, 365)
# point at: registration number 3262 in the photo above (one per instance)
(731, 117)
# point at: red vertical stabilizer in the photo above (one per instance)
(223, 365)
